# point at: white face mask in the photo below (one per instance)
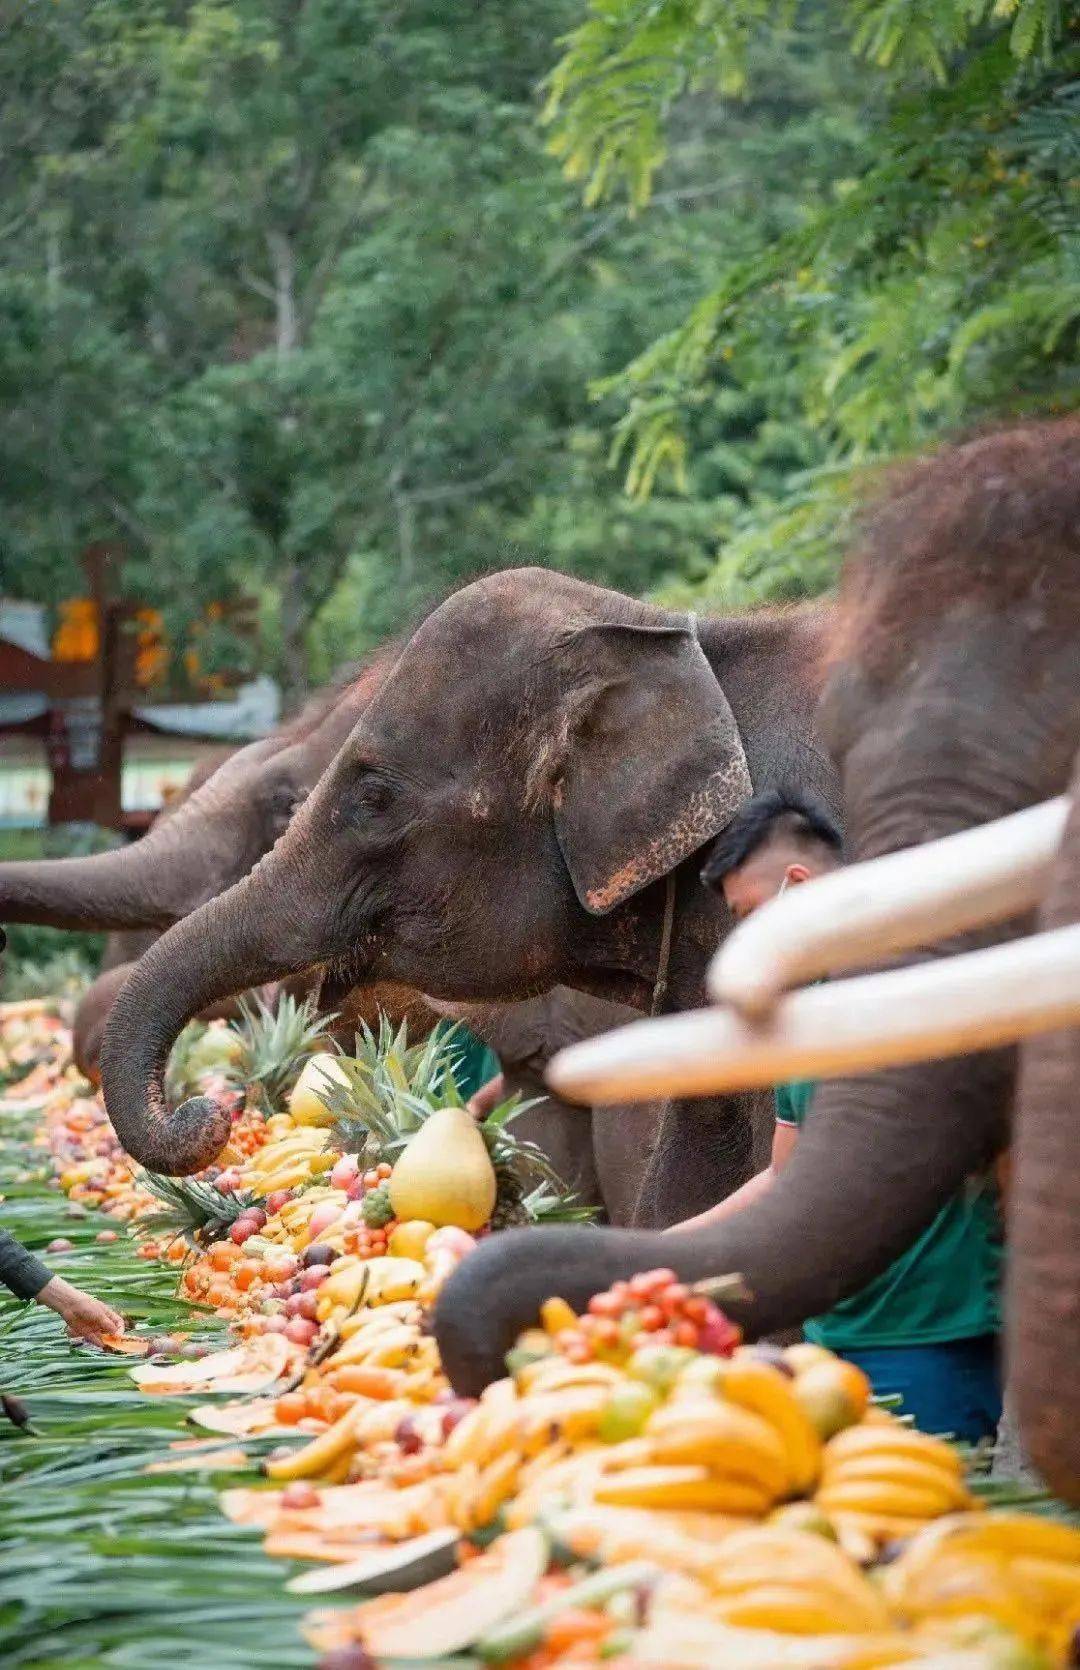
(782, 889)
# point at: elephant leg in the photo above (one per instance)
(705, 1149)
(561, 1131)
(623, 1138)
(1044, 1265)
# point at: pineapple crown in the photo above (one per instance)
(189, 1208)
(274, 1045)
(392, 1087)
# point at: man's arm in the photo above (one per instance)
(29, 1278)
(489, 1095)
(784, 1140)
(20, 1269)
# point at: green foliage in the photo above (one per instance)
(101, 1562)
(293, 302)
(932, 286)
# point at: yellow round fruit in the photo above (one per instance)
(410, 1238)
(305, 1103)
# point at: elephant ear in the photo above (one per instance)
(653, 766)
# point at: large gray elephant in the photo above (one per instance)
(954, 700)
(231, 812)
(522, 805)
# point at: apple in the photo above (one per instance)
(345, 1172)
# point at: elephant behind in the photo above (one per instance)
(522, 805)
(953, 700)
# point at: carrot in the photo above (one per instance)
(576, 1627)
(366, 1382)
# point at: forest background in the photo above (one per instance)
(344, 302)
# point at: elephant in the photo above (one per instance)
(211, 837)
(953, 700)
(231, 811)
(522, 805)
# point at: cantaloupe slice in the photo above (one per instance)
(236, 1420)
(449, 1614)
(402, 1565)
(252, 1367)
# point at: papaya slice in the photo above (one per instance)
(448, 1614)
(252, 1367)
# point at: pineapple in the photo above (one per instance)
(274, 1044)
(193, 1211)
(393, 1087)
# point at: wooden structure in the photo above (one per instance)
(108, 656)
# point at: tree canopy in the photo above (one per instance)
(343, 304)
(934, 287)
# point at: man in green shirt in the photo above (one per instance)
(928, 1326)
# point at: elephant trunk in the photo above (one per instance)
(1044, 1263)
(878, 1159)
(147, 885)
(245, 937)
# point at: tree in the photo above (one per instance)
(935, 286)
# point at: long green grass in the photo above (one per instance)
(101, 1564)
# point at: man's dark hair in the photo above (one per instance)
(786, 814)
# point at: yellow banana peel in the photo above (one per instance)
(679, 1487)
(763, 1390)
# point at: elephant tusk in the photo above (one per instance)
(911, 898)
(952, 1007)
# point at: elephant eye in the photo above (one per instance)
(372, 793)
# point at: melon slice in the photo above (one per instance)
(252, 1367)
(449, 1614)
(406, 1565)
(236, 1420)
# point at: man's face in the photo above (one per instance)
(764, 875)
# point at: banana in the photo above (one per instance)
(571, 1414)
(552, 1374)
(845, 1588)
(875, 1439)
(894, 1467)
(679, 1487)
(994, 1605)
(494, 1486)
(769, 1553)
(792, 1611)
(388, 1348)
(289, 1177)
(1051, 1585)
(914, 1501)
(317, 1457)
(466, 1442)
(724, 1438)
(1016, 1536)
(556, 1315)
(855, 1529)
(763, 1390)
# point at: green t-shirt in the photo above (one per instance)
(474, 1063)
(947, 1285)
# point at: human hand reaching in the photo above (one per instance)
(84, 1316)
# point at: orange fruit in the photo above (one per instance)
(290, 1408)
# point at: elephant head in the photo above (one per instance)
(501, 819)
(954, 699)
